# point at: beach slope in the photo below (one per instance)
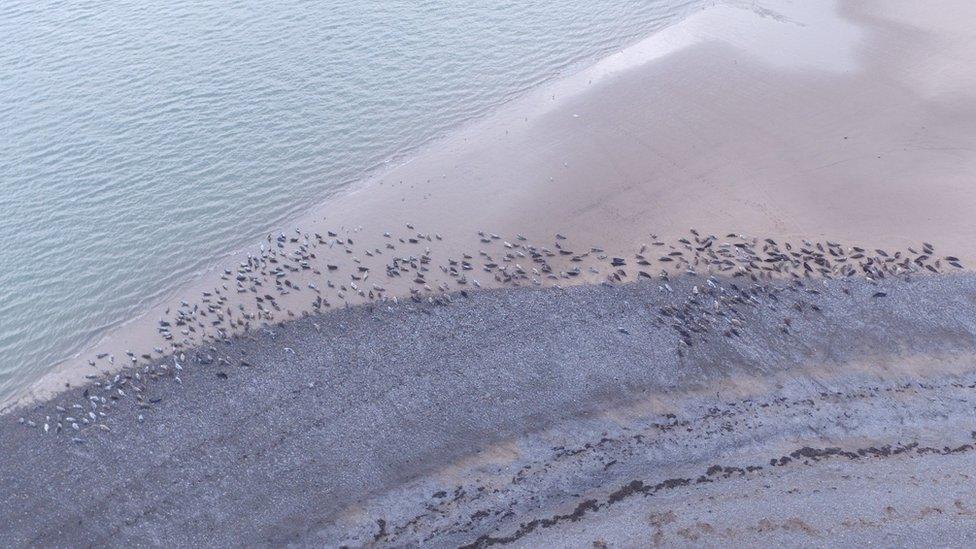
(533, 416)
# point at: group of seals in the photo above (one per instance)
(732, 275)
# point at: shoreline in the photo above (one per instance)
(122, 327)
(721, 161)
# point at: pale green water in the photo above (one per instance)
(140, 140)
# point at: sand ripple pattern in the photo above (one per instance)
(140, 141)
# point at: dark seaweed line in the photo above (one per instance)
(805, 454)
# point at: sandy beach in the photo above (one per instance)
(861, 139)
(462, 351)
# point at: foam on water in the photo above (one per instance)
(139, 142)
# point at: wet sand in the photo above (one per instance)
(542, 415)
(850, 122)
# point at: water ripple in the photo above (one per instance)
(138, 141)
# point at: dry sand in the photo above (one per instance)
(852, 122)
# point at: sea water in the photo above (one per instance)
(140, 141)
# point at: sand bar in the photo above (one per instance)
(848, 121)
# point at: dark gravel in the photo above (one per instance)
(307, 422)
